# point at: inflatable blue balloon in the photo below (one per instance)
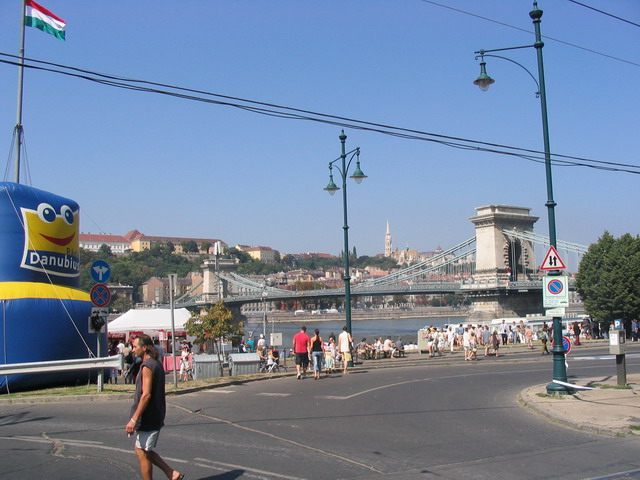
(43, 314)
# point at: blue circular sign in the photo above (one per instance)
(555, 287)
(100, 271)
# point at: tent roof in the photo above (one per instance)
(149, 320)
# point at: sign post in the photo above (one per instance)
(173, 277)
(100, 297)
(555, 296)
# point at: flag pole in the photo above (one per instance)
(18, 128)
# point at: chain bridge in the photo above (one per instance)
(496, 269)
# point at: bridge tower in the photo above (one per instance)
(500, 260)
(213, 287)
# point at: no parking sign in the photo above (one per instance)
(555, 291)
(566, 344)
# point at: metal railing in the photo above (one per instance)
(62, 365)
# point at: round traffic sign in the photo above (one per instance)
(100, 295)
(100, 271)
(566, 344)
(555, 287)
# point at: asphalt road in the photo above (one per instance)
(459, 420)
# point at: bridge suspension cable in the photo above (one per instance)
(544, 240)
(418, 269)
(409, 275)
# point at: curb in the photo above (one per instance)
(580, 426)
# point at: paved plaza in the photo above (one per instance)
(410, 418)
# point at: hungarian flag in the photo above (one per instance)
(37, 16)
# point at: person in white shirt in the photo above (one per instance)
(451, 337)
(504, 332)
(466, 343)
(344, 346)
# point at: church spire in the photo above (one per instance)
(387, 242)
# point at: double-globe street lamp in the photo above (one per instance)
(358, 176)
(483, 81)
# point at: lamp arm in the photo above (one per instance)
(354, 153)
(333, 164)
(482, 54)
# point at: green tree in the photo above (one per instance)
(122, 304)
(205, 247)
(288, 261)
(244, 257)
(608, 279)
(189, 246)
(215, 325)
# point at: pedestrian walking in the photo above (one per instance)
(528, 334)
(544, 338)
(344, 346)
(302, 349)
(576, 333)
(317, 352)
(148, 410)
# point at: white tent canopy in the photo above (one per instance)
(149, 320)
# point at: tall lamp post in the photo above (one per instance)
(358, 176)
(483, 81)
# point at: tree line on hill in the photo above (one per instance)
(160, 260)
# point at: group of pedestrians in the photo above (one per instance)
(320, 354)
(380, 348)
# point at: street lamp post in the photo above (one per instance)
(483, 81)
(358, 176)
(268, 282)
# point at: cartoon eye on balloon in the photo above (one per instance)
(67, 214)
(46, 213)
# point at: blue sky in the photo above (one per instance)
(173, 167)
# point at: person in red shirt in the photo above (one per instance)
(302, 350)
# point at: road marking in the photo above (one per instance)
(273, 394)
(606, 357)
(216, 390)
(381, 387)
(223, 467)
(242, 467)
(280, 439)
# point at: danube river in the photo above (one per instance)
(405, 328)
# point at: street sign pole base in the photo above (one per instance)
(559, 373)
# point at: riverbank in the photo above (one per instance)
(373, 314)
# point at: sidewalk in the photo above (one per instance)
(606, 411)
